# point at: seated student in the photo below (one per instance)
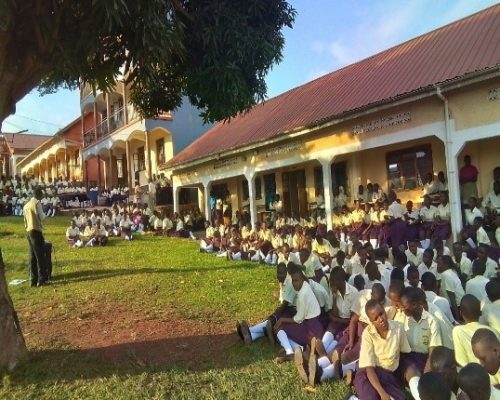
(73, 235)
(341, 261)
(427, 215)
(312, 267)
(89, 234)
(476, 286)
(474, 383)
(305, 324)
(486, 347)
(126, 227)
(451, 286)
(323, 250)
(413, 223)
(432, 386)
(359, 283)
(440, 249)
(430, 287)
(491, 311)
(359, 260)
(470, 310)
(483, 252)
(287, 298)
(472, 211)
(427, 264)
(460, 259)
(344, 295)
(442, 226)
(422, 331)
(414, 254)
(101, 235)
(382, 342)
(358, 219)
(347, 350)
(413, 276)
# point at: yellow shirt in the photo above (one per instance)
(265, 235)
(277, 242)
(33, 215)
(245, 232)
(344, 304)
(491, 315)
(423, 334)
(462, 336)
(357, 216)
(324, 247)
(209, 232)
(337, 221)
(379, 352)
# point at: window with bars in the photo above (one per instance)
(407, 168)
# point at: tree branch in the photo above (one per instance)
(181, 10)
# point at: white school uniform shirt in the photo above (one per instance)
(307, 304)
(490, 315)
(287, 292)
(470, 215)
(444, 324)
(444, 212)
(446, 252)
(312, 264)
(180, 225)
(422, 269)
(482, 237)
(497, 235)
(125, 223)
(415, 259)
(72, 232)
(167, 224)
(344, 304)
(396, 210)
(491, 268)
(428, 213)
(423, 334)
(477, 287)
(323, 295)
(492, 200)
(440, 302)
(465, 265)
(450, 282)
(157, 224)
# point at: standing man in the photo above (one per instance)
(33, 216)
(152, 194)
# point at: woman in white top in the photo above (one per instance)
(305, 324)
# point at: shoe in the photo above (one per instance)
(268, 331)
(349, 377)
(245, 331)
(312, 366)
(299, 364)
(283, 359)
(238, 330)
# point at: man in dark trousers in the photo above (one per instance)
(33, 216)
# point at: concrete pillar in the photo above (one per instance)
(125, 108)
(99, 172)
(327, 194)
(66, 165)
(206, 200)
(83, 171)
(147, 151)
(108, 112)
(251, 197)
(175, 194)
(111, 169)
(130, 167)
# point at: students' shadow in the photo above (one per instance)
(188, 354)
(63, 278)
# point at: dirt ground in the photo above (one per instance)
(115, 334)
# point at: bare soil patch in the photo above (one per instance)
(115, 334)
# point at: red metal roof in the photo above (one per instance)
(453, 51)
(24, 141)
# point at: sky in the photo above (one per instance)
(327, 35)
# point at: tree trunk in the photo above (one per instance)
(12, 346)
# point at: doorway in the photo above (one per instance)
(339, 176)
(294, 192)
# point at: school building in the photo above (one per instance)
(59, 155)
(120, 147)
(418, 107)
(14, 147)
(109, 144)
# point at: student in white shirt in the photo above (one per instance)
(475, 384)
(305, 324)
(481, 235)
(427, 265)
(397, 226)
(451, 286)
(73, 233)
(427, 215)
(460, 259)
(483, 251)
(491, 311)
(472, 212)
(414, 253)
(486, 347)
(429, 286)
(477, 285)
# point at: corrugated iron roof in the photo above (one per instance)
(24, 141)
(468, 45)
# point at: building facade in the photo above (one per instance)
(14, 147)
(390, 119)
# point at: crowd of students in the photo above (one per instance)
(404, 310)
(16, 191)
(125, 219)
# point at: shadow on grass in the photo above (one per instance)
(189, 354)
(97, 274)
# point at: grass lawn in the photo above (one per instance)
(147, 319)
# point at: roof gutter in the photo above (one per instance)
(430, 91)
